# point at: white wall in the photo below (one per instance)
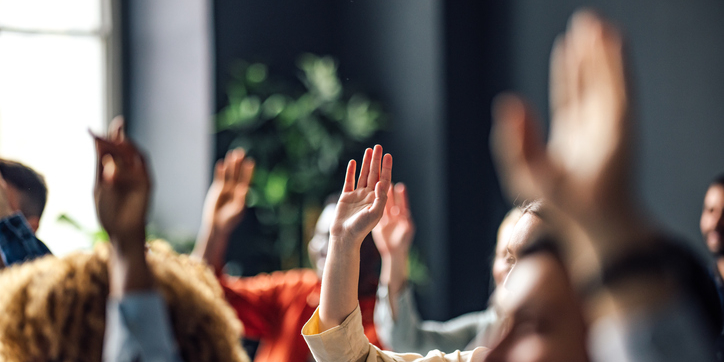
(170, 91)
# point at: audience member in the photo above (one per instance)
(274, 307)
(396, 318)
(712, 229)
(57, 309)
(28, 188)
(17, 237)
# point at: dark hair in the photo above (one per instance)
(29, 183)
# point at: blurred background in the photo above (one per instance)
(195, 77)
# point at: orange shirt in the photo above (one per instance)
(274, 307)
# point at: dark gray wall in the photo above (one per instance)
(677, 53)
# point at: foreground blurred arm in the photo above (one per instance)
(224, 207)
(585, 172)
(137, 326)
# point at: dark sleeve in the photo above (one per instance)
(17, 241)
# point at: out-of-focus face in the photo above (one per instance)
(520, 232)
(317, 247)
(712, 219)
(543, 318)
(504, 261)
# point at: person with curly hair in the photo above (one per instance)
(124, 302)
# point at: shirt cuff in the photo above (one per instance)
(345, 342)
(138, 328)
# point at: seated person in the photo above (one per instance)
(22, 200)
(28, 188)
(274, 307)
(396, 319)
(153, 305)
(642, 297)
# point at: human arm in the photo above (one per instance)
(224, 207)
(396, 319)
(358, 211)
(393, 236)
(347, 342)
(138, 327)
(585, 173)
(409, 333)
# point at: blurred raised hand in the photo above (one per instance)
(224, 206)
(122, 192)
(123, 186)
(396, 229)
(585, 169)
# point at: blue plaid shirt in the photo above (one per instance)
(17, 241)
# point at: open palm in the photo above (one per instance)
(359, 209)
(226, 199)
(584, 169)
(395, 230)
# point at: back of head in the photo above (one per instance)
(30, 184)
(54, 308)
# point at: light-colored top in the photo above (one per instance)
(408, 333)
(138, 329)
(347, 342)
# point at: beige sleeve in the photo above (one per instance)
(347, 342)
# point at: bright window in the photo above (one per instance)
(53, 88)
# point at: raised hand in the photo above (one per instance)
(224, 207)
(359, 209)
(122, 187)
(122, 191)
(395, 230)
(585, 170)
(225, 201)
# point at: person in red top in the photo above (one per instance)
(274, 307)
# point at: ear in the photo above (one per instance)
(34, 223)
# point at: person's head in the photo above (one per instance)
(54, 309)
(543, 316)
(28, 188)
(369, 255)
(518, 228)
(712, 217)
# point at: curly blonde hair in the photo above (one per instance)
(53, 309)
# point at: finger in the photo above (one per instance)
(116, 130)
(386, 174)
(229, 166)
(219, 170)
(374, 175)
(109, 169)
(378, 205)
(390, 202)
(238, 159)
(349, 177)
(558, 89)
(247, 171)
(364, 171)
(515, 147)
(401, 199)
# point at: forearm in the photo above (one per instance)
(211, 247)
(394, 274)
(128, 269)
(339, 283)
